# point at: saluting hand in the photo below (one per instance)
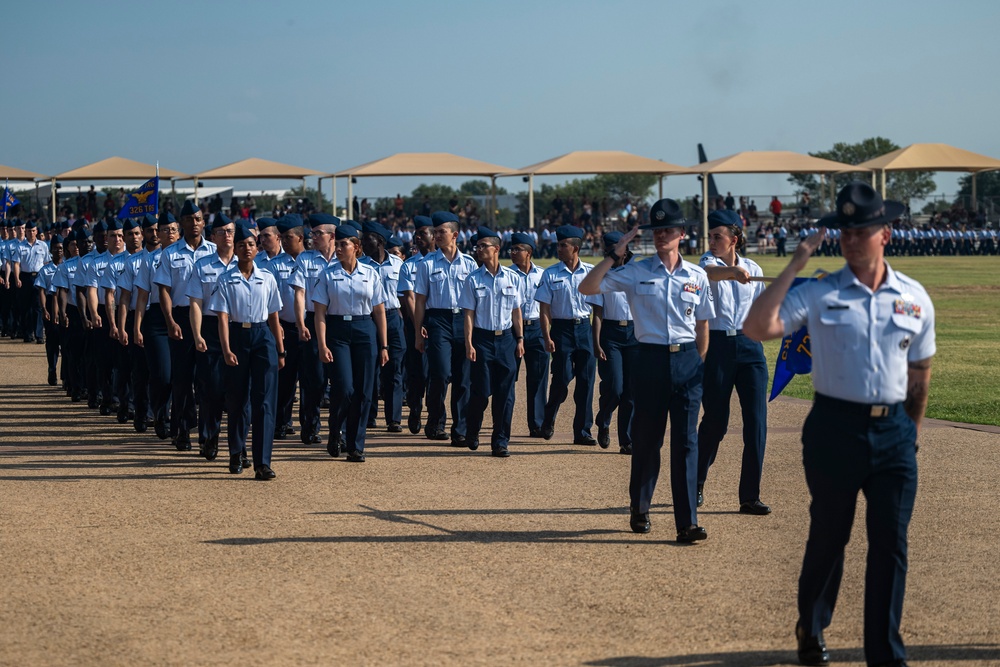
(806, 247)
(622, 244)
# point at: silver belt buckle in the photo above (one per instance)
(675, 347)
(497, 332)
(623, 323)
(245, 325)
(456, 310)
(879, 411)
(577, 320)
(730, 332)
(348, 318)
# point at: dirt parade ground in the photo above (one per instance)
(119, 550)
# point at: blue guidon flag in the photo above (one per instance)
(794, 356)
(143, 200)
(9, 201)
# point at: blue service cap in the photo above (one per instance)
(372, 227)
(242, 233)
(724, 217)
(82, 234)
(64, 224)
(611, 239)
(569, 232)
(31, 224)
(393, 242)
(519, 238)
(486, 233)
(346, 231)
(288, 223)
(113, 224)
(352, 223)
(221, 220)
(77, 224)
(319, 219)
(189, 208)
(264, 223)
(55, 241)
(441, 217)
(101, 226)
(166, 218)
(664, 214)
(131, 223)
(149, 220)
(422, 221)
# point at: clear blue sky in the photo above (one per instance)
(329, 85)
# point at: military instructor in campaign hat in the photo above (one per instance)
(671, 307)
(872, 337)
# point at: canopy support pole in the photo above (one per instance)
(55, 212)
(531, 201)
(974, 204)
(38, 203)
(883, 184)
(493, 201)
(661, 187)
(833, 192)
(195, 190)
(703, 241)
(333, 179)
(350, 197)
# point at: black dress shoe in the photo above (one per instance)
(355, 457)
(625, 449)
(473, 443)
(394, 427)
(324, 403)
(458, 440)
(263, 472)
(280, 433)
(701, 495)
(638, 521)
(139, 425)
(52, 377)
(333, 446)
(122, 417)
(105, 409)
(245, 460)
(236, 464)
(500, 452)
(534, 432)
(586, 440)
(692, 534)
(547, 432)
(182, 443)
(754, 507)
(160, 426)
(436, 435)
(211, 448)
(371, 424)
(811, 649)
(413, 422)
(604, 436)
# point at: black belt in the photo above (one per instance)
(676, 347)
(490, 332)
(873, 410)
(349, 318)
(619, 323)
(391, 310)
(529, 323)
(33, 274)
(248, 325)
(182, 308)
(444, 311)
(726, 332)
(570, 320)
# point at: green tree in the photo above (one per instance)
(900, 185)
(616, 188)
(987, 185)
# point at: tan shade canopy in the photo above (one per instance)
(932, 157)
(114, 168)
(598, 162)
(425, 164)
(771, 162)
(15, 174)
(257, 168)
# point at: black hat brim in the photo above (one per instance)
(892, 210)
(668, 225)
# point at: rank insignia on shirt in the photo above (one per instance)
(694, 288)
(909, 308)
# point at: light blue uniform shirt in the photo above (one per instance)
(441, 281)
(144, 275)
(732, 300)
(389, 271)
(665, 306)
(861, 342)
(45, 276)
(529, 280)
(33, 257)
(408, 274)
(309, 266)
(176, 266)
(346, 293)
(246, 300)
(126, 279)
(559, 287)
(208, 272)
(263, 261)
(66, 277)
(281, 267)
(614, 305)
(80, 279)
(110, 276)
(492, 297)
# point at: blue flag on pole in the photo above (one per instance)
(144, 199)
(794, 356)
(9, 200)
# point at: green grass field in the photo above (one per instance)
(965, 379)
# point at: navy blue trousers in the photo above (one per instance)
(139, 371)
(389, 379)
(573, 359)
(252, 391)
(536, 366)
(734, 361)
(31, 308)
(446, 363)
(122, 375)
(352, 376)
(211, 381)
(288, 376)
(105, 358)
(846, 451)
(73, 351)
(615, 390)
(492, 374)
(157, 349)
(183, 410)
(52, 342)
(415, 365)
(669, 384)
(312, 380)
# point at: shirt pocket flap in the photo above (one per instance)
(690, 297)
(557, 285)
(436, 277)
(837, 317)
(906, 322)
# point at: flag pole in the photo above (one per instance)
(6, 182)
